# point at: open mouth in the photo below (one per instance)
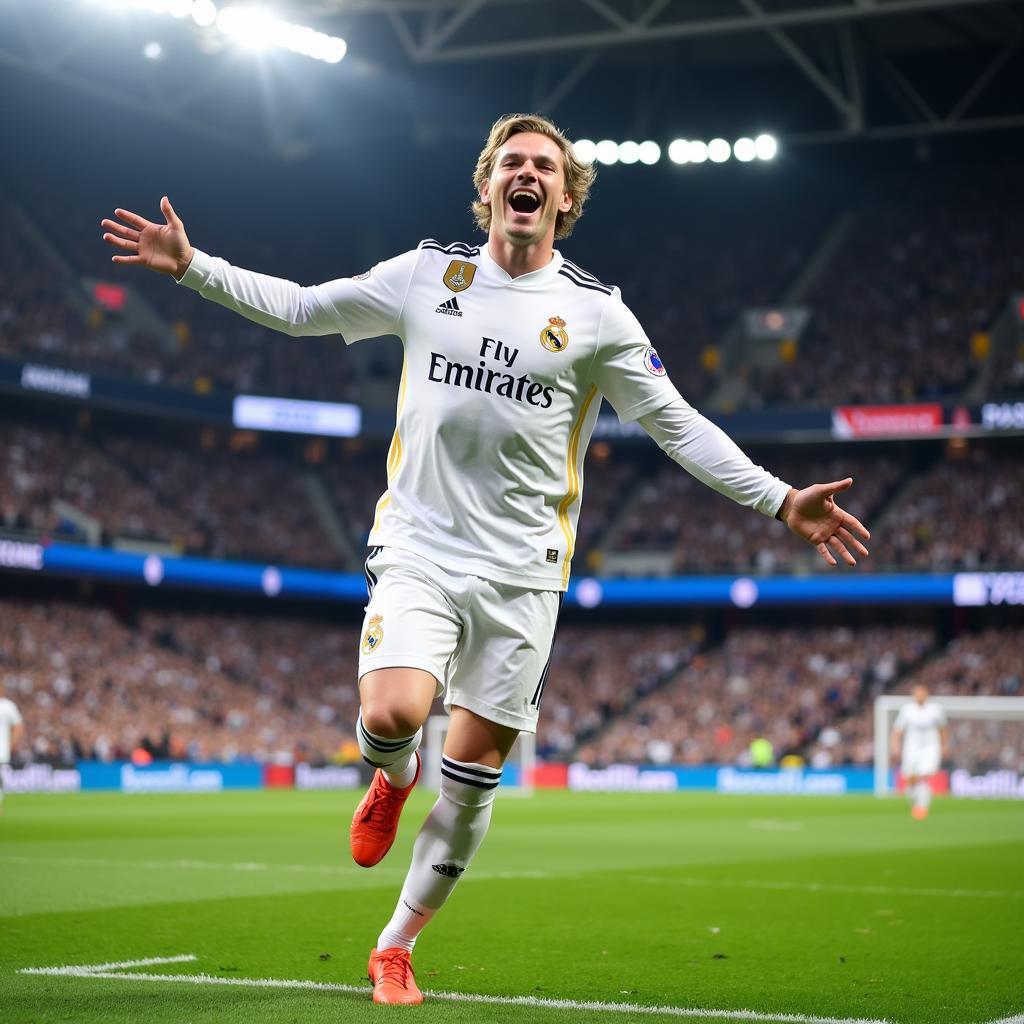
(524, 202)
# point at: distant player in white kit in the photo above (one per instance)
(920, 740)
(508, 350)
(11, 731)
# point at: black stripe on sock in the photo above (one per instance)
(458, 766)
(384, 746)
(468, 782)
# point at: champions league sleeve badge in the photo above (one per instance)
(653, 363)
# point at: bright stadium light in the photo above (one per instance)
(766, 147)
(254, 28)
(204, 13)
(679, 151)
(650, 152)
(719, 151)
(585, 150)
(607, 152)
(629, 152)
(697, 151)
(744, 150)
(152, 51)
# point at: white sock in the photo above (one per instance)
(452, 833)
(394, 757)
(923, 794)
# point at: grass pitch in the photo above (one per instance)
(815, 907)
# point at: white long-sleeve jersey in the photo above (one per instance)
(499, 395)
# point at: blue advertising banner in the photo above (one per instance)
(629, 778)
(169, 777)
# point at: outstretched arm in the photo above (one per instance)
(707, 452)
(161, 247)
(814, 515)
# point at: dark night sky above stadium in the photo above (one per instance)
(389, 147)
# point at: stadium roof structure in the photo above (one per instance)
(814, 71)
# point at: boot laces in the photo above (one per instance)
(379, 811)
(395, 967)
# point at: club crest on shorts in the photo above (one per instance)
(459, 275)
(653, 363)
(554, 336)
(374, 635)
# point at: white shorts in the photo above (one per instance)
(920, 763)
(487, 644)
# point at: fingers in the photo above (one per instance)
(121, 243)
(112, 225)
(841, 550)
(852, 541)
(127, 259)
(854, 524)
(822, 550)
(168, 211)
(838, 485)
(132, 218)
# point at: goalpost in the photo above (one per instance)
(1006, 709)
(522, 759)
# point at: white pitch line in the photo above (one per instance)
(1017, 1018)
(246, 867)
(108, 971)
(828, 887)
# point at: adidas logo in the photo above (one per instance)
(448, 870)
(451, 307)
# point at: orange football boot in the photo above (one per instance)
(919, 812)
(394, 981)
(375, 823)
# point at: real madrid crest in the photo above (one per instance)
(374, 635)
(554, 336)
(459, 275)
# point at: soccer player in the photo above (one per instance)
(11, 731)
(920, 740)
(509, 347)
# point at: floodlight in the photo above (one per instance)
(153, 51)
(719, 151)
(650, 152)
(204, 12)
(585, 150)
(744, 149)
(766, 146)
(179, 8)
(335, 49)
(607, 152)
(629, 152)
(679, 151)
(697, 151)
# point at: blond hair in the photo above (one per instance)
(578, 176)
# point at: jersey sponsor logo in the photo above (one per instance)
(459, 275)
(489, 380)
(374, 635)
(653, 363)
(552, 555)
(451, 307)
(448, 870)
(553, 335)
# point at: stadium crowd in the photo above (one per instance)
(783, 685)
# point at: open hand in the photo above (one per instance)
(161, 247)
(814, 515)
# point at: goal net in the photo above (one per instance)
(517, 776)
(986, 744)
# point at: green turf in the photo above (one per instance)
(827, 907)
